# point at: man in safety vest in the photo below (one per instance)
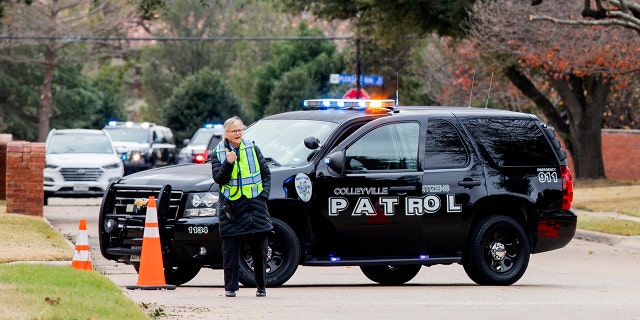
(243, 176)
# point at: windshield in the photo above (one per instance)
(202, 137)
(79, 143)
(129, 134)
(283, 140)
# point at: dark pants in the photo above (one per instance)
(231, 251)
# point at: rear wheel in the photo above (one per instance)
(282, 257)
(391, 275)
(498, 253)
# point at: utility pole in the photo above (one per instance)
(358, 68)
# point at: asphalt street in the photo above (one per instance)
(595, 277)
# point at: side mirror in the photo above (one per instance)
(312, 143)
(185, 142)
(335, 161)
(121, 150)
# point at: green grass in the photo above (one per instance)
(609, 225)
(29, 238)
(38, 291)
(621, 199)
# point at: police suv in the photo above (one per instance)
(368, 183)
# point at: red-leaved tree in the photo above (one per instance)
(579, 64)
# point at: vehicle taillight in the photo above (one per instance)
(567, 187)
(200, 157)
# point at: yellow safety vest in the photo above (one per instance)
(245, 176)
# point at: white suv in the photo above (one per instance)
(80, 163)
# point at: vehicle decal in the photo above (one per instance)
(198, 229)
(547, 175)
(435, 188)
(428, 204)
(303, 186)
(358, 191)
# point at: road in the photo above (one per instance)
(585, 280)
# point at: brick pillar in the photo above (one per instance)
(25, 163)
(4, 138)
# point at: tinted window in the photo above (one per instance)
(393, 146)
(444, 148)
(512, 142)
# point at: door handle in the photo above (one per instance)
(402, 188)
(469, 183)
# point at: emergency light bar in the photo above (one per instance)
(213, 125)
(353, 104)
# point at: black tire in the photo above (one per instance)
(178, 275)
(391, 275)
(282, 260)
(498, 252)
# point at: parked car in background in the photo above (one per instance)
(80, 163)
(195, 149)
(142, 145)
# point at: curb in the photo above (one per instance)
(610, 239)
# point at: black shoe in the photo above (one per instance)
(230, 294)
(261, 293)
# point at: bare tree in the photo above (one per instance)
(50, 28)
(623, 13)
(574, 63)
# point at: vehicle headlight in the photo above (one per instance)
(114, 165)
(136, 156)
(201, 205)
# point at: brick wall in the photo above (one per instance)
(621, 154)
(23, 164)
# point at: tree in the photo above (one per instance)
(579, 64)
(57, 18)
(166, 64)
(387, 32)
(392, 19)
(204, 97)
(77, 102)
(625, 13)
(313, 60)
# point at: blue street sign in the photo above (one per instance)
(365, 79)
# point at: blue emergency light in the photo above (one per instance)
(352, 104)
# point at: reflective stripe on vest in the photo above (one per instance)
(249, 183)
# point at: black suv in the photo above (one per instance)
(142, 145)
(369, 184)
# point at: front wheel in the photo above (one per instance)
(391, 275)
(282, 257)
(498, 253)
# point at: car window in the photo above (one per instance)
(443, 147)
(282, 141)
(512, 142)
(201, 137)
(78, 143)
(389, 147)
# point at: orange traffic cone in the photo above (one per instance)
(151, 271)
(81, 257)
